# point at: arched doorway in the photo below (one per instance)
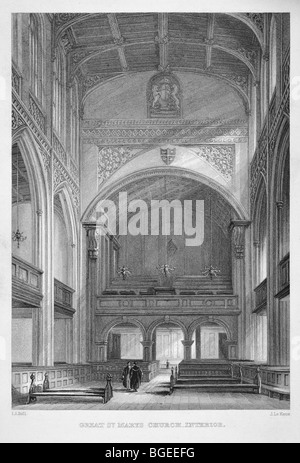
(167, 343)
(210, 342)
(125, 342)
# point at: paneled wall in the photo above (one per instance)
(130, 346)
(143, 254)
(22, 346)
(169, 344)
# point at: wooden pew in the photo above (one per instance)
(44, 391)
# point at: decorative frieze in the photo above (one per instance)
(16, 120)
(175, 304)
(220, 157)
(37, 114)
(145, 123)
(21, 116)
(111, 159)
(59, 150)
(61, 175)
(16, 81)
(143, 133)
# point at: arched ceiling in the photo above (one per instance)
(103, 46)
(169, 188)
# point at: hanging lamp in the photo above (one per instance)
(18, 236)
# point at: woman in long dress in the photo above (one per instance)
(126, 376)
(136, 376)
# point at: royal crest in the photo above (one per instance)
(168, 155)
(164, 97)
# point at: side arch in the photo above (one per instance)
(163, 321)
(38, 183)
(215, 320)
(105, 332)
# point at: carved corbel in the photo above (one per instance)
(92, 239)
(238, 232)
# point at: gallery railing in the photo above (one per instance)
(63, 298)
(261, 296)
(284, 277)
(26, 283)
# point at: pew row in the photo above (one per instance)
(43, 391)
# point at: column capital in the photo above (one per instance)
(147, 343)
(238, 230)
(280, 204)
(187, 343)
(101, 343)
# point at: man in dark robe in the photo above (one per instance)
(126, 376)
(136, 376)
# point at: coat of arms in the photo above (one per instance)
(168, 155)
(164, 97)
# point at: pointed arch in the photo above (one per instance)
(38, 183)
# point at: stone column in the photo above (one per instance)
(46, 262)
(147, 346)
(198, 343)
(238, 231)
(154, 346)
(102, 351)
(91, 288)
(187, 349)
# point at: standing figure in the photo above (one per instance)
(124, 272)
(136, 376)
(126, 376)
(166, 270)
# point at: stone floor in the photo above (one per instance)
(155, 396)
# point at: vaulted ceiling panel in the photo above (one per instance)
(224, 62)
(138, 27)
(108, 62)
(150, 41)
(233, 33)
(188, 26)
(142, 57)
(94, 31)
(187, 55)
